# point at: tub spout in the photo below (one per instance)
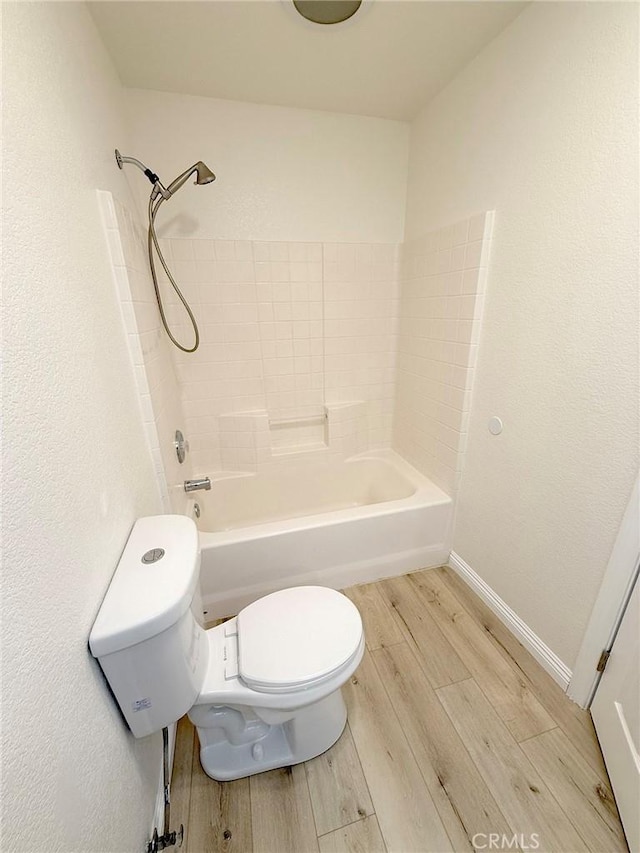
(198, 483)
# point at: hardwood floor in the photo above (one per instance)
(457, 740)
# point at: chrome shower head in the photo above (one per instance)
(204, 175)
(159, 194)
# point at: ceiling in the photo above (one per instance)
(388, 60)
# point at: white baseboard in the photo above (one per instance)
(556, 668)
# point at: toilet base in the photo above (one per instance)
(310, 731)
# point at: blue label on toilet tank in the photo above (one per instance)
(141, 704)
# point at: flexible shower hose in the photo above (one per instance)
(152, 241)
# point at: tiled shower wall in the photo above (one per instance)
(299, 344)
(285, 329)
(443, 278)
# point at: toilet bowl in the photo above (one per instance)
(271, 694)
(263, 689)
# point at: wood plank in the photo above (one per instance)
(438, 659)
(281, 814)
(583, 796)
(363, 836)
(220, 814)
(407, 749)
(406, 813)
(574, 720)
(462, 798)
(181, 776)
(506, 690)
(528, 806)
(339, 793)
(380, 628)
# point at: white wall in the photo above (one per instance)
(542, 126)
(441, 299)
(76, 468)
(282, 174)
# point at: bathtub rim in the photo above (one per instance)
(426, 493)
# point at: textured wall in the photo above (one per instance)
(282, 174)
(76, 468)
(542, 127)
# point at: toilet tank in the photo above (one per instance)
(148, 635)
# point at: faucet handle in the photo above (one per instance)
(181, 445)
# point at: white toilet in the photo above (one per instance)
(262, 689)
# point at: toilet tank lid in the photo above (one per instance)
(148, 596)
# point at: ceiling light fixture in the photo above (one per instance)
(327, 11)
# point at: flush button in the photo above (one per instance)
(153, 555)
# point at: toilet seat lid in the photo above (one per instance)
(296, 637)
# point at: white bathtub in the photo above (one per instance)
(328, 523)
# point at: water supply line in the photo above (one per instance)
(168, 838)
(160, 194)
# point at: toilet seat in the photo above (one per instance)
(296, 639)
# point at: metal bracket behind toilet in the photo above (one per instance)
(168, 838)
